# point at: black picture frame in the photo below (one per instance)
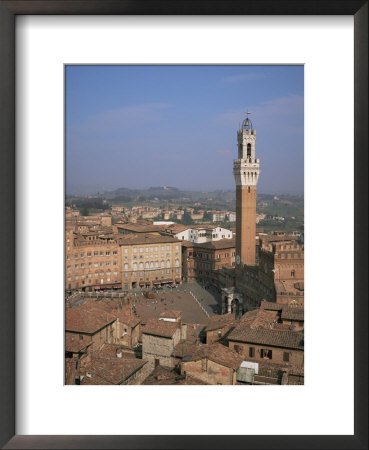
(8, 12)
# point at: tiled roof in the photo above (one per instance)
(292, 313)
(259, 318)
(81, 319)
(164, 376)
(142, 238)
(74, 344)
(218, 353)
(219, 321)
(171, 314)
(272, 306)
(160, 328)
(218, 245)
(275, 338)
(106, 368)
(185, 348)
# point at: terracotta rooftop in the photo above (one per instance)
(160, 328)
(107, 368)
(185, 348)
(164, 376)
(81, 319)
(144, 238)
(293, 313)
(259, 318)
(74, 344)
(218, 353)
(272, 306)
(219, 321)
(139, 227)
(218, 245)
(272, 337)
(171, 314)
(111, 370)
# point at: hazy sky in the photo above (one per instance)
(142, 126)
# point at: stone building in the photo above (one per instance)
(91, 324)
(264, 341)
(218, 327)
(159, 338)
(109, 365)
(213, 364)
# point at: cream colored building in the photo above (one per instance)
(148, 260)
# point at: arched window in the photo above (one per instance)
(146, 265)
(141, 265)
(162, 264)
(168, 263)
(249, 150)
(177, 262)
(125, 266)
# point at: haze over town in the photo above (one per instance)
(143, 126)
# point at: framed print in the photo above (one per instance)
(334, 145)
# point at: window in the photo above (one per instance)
(82, 255)
(89, 254)
(266, 354)
(126, 250)
(108, 263)
(96, 253)
(82, 266)
(238, 348)
(126, 266)
(101, 264)
(115, 252)
(292, 274)
(251, 352)
(107, 253)
(141, 250)
(101, 253)
(286, 356)
(115, 263)
(134, 250)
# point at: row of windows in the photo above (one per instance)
(101, 264)
(264, 353)
(101, 274)
(149, 249)
(141, 274)
(149, 265)
(96, 253)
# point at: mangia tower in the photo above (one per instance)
(246, 173)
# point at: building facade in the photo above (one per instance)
(149, 260)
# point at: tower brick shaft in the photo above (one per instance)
(246, 173)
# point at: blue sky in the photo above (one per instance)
(142, 126)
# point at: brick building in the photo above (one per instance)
(213, 364)
(91, 325)
(202, 261)
(92, 261)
